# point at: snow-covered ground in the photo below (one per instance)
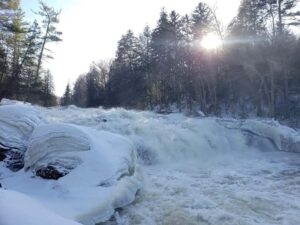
(196, 170)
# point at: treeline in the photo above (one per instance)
(256, 71)
(23, 48)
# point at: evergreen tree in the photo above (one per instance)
(79, 96)
(202, 19)
(49, 98)
(145, 70)
(49, 19)
(95, 94)
(67, 97)
(125, 81)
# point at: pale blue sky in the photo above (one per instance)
(92, 28)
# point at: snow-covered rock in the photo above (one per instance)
(98, 172)
(56, 145)
(17, 122)
(282, 137)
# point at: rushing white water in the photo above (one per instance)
(204, 170)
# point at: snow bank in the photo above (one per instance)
(99, 172)
(6, 101)
(17, 208)
(17, 122)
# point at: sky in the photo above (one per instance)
(92, 28)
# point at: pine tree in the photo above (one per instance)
(79, 96)
(67, 97)
(48, 89)
(125, 81)
(50, 19)
(95, 95)
(145, 57)
(160, 56)
(202, 19)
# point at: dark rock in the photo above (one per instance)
(3, 151)
(2, 156)
(50, 172)
(15, 160)
(104, 120)
(164, 111)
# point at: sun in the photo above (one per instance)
(211, 41)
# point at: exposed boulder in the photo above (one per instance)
(50, 172)
(14, 160)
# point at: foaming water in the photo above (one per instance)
(162, 138)
(203, 171)
(248, 191)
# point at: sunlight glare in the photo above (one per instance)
(211, 41)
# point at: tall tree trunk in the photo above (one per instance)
(41, 53)
(280, 25)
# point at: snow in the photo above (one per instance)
(17, 208)
(103, 178)
(196, 170)
(284, 138)
(17, 122)
(51, 142)
(101, 170)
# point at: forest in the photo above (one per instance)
(254, 73)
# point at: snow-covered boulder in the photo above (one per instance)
(17, 122)
(52, 149)
(282, 137)
(98, 172)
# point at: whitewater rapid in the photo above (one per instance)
(252, 191)
(204, 171)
